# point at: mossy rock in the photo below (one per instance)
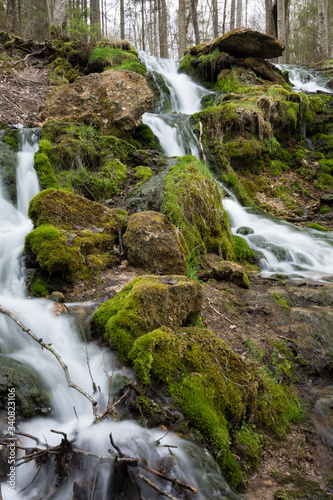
(216, 389)
(8, 162)
(31, 397)
(73, 237)
(143, 305)
(154, 244)
(192, 201)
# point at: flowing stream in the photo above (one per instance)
(283, 248)
(280, 247)
(71, 412)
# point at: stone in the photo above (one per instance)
(154, 244)
(31, 397)
(112, 99)
(8, 161)
(245, 42)
(57, 297)
(244, 230)
(145, 304)
(229, 271)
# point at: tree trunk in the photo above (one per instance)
(239, 13)
(194, 14)
(224, 16)
(122, 20)
(283, 7)
(181, 28)
(232, 14)
(4, 26)
(95, 17)
(270, 25)
(143, 44)
(163, 28)
(215, 19)
(60, 12)
(322, 30)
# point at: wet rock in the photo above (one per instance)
(31, 397)
(244, 230)
(104, 99)
(57, 297)
(229, 271)
(154, 244)
(8, 161)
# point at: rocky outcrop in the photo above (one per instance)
(154, 244)
(243, 42)
(112, 99)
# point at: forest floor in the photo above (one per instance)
(22, 90)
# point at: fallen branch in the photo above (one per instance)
(12, 103)
(217, 312)
(173, 480)
(200, 144)
(155, 487)
(55, 354)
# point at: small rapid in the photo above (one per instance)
(71, 413)
(306, 80)
(280, 247)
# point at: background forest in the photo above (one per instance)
(165, 29)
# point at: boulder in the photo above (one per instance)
(224, 271)
(243, 42)
(144, 305)
(112, 99)
(73, 237)
(31, 397)
(154, 244)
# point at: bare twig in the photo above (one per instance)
(92, 496)
(173, 480)
(55, 354)
(217, 312)
(87, 358)
(226, 378)
(155, 487)
(200, 144)
(12, 103)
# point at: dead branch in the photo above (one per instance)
(87, 358)
(202, 153)
(55, 354)
(217, 312)
(173, 480)
(12, 103)
(32, 54)
(155, 487)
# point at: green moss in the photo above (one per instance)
(145, 137)
(243, 252)
(216, 390)
(11, 140)
(52, 253)
(316, 226)
(192, 202)
(280, 300)
(39, 288)
(143, 174)
(45, 172)
(115, 58)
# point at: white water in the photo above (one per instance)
(281, 247)
(306, 80)
(71, 412)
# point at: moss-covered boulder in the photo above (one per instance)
(31, 397)
(217, 390)
(154, 244)
(226, 271)
(145, 304)
(8, 161)
(192, 201)
(104, 99)
(73, 237)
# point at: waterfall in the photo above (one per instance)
(71, 412)
(280, 247)
(306, 80)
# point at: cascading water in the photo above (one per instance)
(281, 247)
(306, 80)
(71, 412)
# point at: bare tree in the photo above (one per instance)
(194, 14)
(215, 19)
(181, 28)
(322, 29)
(239, 11)
(232, 14)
